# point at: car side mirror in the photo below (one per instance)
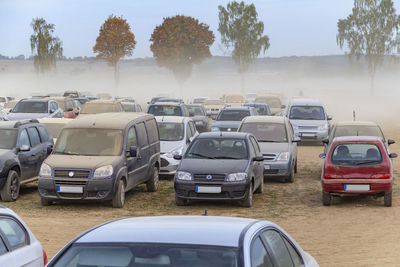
(177, 157)
(296, 139)
(258, 158)
(322, 156)
(329, 117)
(10, 111)
(49, 150)
(133, 151)
(283, 106)
(24, 148)
(392, 155)
(191, 139)
(52, 111)
(391, 142)
(325, 141)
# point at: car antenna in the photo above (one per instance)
(205, 212)
(354, 115)
(220, 133)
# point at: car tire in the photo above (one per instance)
(118, 200)
(290, 178)
(10, 190)
(326, 199)
(387, 199)
(248, 200)
(260, 189)
(295, 167)
(45, 202)
(180, 201)
(152, 184)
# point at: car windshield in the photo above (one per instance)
(71, 94)
(307, 113)
(54, 128)
(214, 102)
(168, 255)
(233, 115)
(165, 110)
(199, 100)
(234, 99)
(90, 142)
(30, 107)
(357, 131)
(95, 108)
(2, 99)
(261, 109)
(196, 111)
(220, 148)
(8, 138)
(170, 131)
(266, 132)
(356, 154)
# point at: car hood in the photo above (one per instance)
(273, 148)
(315, 123)
(169, 146)
(79, 162)
(226, 124)
(25, 116)
(213, 166)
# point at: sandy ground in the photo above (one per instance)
(354, 231)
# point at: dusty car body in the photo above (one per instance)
(102, 106)
(199, 116)
(274, 102)
(229, 118)
(27, 109)
(213, 107)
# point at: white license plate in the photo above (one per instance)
(307, 134)
(208, 189)
(267, 167)
(356, 187)
(70, 189)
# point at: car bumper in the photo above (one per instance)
(232, 191)
(311, 136)
(274, 169)
(338, 185)
(168, 165)
(91, 189)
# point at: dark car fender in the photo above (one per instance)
(8, 165)
(122, 172)
(153, 161)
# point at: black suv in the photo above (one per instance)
(24, 145)
(219, 166)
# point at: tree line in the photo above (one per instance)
(370, 32)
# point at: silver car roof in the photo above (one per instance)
(305, 102)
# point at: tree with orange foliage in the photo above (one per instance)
(179, 42)
(114, 42)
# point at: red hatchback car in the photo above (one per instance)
(357, 165)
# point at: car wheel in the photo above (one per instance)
(10, 190)
(290, 178)
(387, 199)
(180, 201)
(260, 189)
(118, 200)
(45, 202)
(248, 200)
(295, 167)
(326, 199)
(152, 184)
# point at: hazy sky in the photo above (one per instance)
(295, 27)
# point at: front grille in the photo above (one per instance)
(164, 162)
(71, 182)
(215, 178)
(269, 157)
(71, 195)
(209, 195)
(308, 127)
(226, 129)
(76, 173)
(271, 171)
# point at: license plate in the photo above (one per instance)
(356, 187)
(208, 189)
(267, 167)
(307, 134)
(70, 189)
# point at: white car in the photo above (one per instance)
(18, 246)
(176, 133)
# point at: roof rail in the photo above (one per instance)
(23, 122)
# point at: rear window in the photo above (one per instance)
(355, 154)
(233, 115)
(307, 113)
(266, 132)
(358, 131)
(196, 111)
(165, 110)
(30, 107)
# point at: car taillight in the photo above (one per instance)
(44, 258)
(332, 176)
(381, 176)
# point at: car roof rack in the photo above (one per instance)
(23, 122)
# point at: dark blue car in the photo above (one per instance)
(261, 108)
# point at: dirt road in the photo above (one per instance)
(354, 231)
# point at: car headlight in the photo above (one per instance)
(185, 176)
(103, 172)
(177, 151)
(214, 129)
(236, 177)
(323, 127)
(284, 156)
(45, 170)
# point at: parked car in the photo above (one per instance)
(4, 100)
(232, 99)
(274, 103)
(357, 165)
(35, 109)
(355, 128)
(277, 142)
(168, 109)
(54, 126)
(220, 166)
(102, 106)
(199, 116)
(229, 118)
(69, 105)
(131, 107)
(213, 107)
(155, 99)
(125, 99)
(309, 119)
(184, 241)
(23, 148)
(82, 100)
(18, 245)
(199, 100)
(72, 94)
(176, 133)
(170, 100)
(100, 157)
(250, 97)
(261, 108)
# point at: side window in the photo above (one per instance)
(278, 248)
(138, 108)
(297, 260)
(152, 130)
(259, 255)
(189, 132)
(13, 232)
(54, 106)
(252, 149)
(24, 139)
(69, 105)
(141, 134)
(193, 128)
(132, 140)
(33, 136)
(290, 131)
(3, 249)
(44, 136)
(119, 108)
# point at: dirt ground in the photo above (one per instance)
(354, 231)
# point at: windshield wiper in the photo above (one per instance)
(201, 156)
(271, 141)
(226, 157)
(366, 162)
